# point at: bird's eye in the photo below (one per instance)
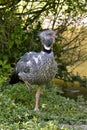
(52, 35)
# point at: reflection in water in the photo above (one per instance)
(71, 89)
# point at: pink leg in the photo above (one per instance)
(37, 98)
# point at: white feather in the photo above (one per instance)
(47, 48)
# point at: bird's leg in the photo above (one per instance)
(37, 98)
(27, 84)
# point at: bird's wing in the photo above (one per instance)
(25, 62)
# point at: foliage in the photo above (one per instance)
(5, 70)
(17, 102)
(20, 22)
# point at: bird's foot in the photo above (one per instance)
(36, 109)
(27, 84)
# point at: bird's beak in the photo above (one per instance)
(55, 36)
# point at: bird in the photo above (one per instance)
(37, 67)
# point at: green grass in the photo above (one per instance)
(17, 104)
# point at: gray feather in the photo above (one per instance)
(38, 68)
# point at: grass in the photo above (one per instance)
(17, 104)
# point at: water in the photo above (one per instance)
(71, 90)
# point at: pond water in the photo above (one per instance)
(71, 90)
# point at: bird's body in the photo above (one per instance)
(36, 68)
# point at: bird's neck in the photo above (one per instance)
(47, 49)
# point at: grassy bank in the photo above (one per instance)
(17, 104)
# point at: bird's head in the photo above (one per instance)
(47, 38)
